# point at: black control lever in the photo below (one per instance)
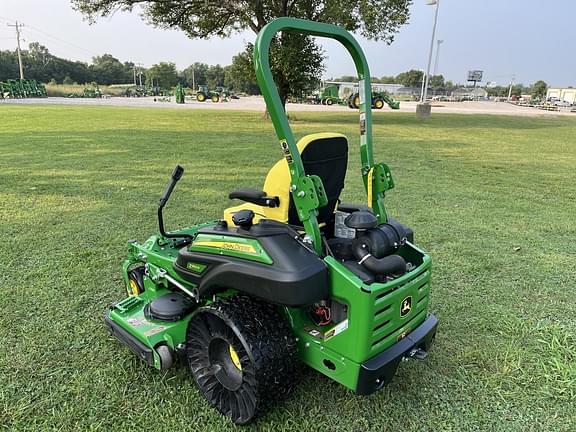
(176, 175)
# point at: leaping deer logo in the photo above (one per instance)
(406, 306)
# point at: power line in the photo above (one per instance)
(63, 41)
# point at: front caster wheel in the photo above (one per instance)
(242, 355)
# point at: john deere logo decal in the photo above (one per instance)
(406, 306)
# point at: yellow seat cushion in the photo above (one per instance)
(277, 183)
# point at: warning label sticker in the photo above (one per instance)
(154, 330)
(286, 151)
(337, 329)
(135, 322)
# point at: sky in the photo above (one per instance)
(526, 40)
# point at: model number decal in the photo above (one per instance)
(240, 247)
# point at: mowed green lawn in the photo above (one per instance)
(492, 199)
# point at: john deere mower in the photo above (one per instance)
(290, 276)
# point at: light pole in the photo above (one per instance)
(423, 109)
(431, 3)
(423, 81)
(438, 42)
(510, 89)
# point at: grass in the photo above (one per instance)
(491, 198)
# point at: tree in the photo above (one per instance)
(388, 80)
(198, 70)
(437, 81)
(8, 65)
(539, 89)
(373, 19)
(215, 76)
(411, 78)
(240, 74)
(109, 70)
(347, 78)
(162, 75)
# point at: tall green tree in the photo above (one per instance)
(539, 89)
(8, 65)
(215, 76)
(162, 75)
(240, 75)
(411, 78)
(373, 19)
(195, 74)
(437, 81)
(109, 70)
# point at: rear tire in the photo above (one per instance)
(378, 104)
(354, 101)
(215, 98)
(200, 96)
(329, 102)
(242, 356)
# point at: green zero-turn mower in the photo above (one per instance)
(291, 276)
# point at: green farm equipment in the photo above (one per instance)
(19, 89)
(290, 276)
(204, 93)
(179, 93)
(378, 100)
(92, 92)
(329, 95)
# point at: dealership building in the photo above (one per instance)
(564, 94)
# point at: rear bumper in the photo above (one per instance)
(378, 371)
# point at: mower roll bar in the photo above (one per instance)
(307, 208)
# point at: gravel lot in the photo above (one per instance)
(256, 103)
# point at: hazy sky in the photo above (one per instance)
(528, 39)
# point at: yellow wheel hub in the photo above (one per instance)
(134, 289)
(235, 358)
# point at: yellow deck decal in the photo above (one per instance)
(240, 247)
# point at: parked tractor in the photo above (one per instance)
(378, 100)
(204, 93)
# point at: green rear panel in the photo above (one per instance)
(374, 323)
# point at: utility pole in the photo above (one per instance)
(193, 78)
(438, 42)
(510, 89)
(17, 27)
(134, 70)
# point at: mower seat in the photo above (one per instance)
(324, 155)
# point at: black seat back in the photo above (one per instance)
(328, 159)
